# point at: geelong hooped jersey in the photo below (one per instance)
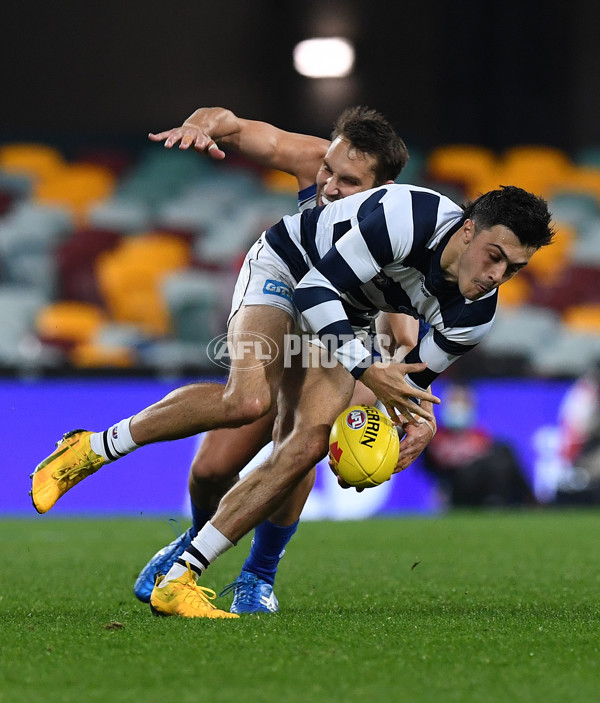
(380, 250)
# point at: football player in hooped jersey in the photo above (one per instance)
(364, 151)
(392, 248)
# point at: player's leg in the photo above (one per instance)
(309, 402)
(215, 469)
(222, 454)
(249, 394)
(253, 587)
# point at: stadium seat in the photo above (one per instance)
(574, 208)
(7, 198)
(280, 182)
(462, 164)
(19, 306)
(195, 303)
(174, 356)
(36, 269)
(583, 318)
(17, 185)
(111, 345)
(570, 354)
(576, 284)
(38, 161)
(76, 259)
(30, 227)
(537, 168)
(129, 278)
(166, 248)
(77, 187)
(548, 262)
(584, 180)
(95, 356)
(125, 214)
(586, 252)
(161, 174)
(414, 171)
(521, 330)
(515, 292)
(66, 323)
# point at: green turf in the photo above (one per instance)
(466, 607)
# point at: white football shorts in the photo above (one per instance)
(264, 280)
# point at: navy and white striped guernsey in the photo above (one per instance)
(380, 250)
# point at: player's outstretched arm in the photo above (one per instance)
(207, 128)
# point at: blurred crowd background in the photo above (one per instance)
(118, 257)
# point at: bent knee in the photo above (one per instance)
(242, 410)
(309, 447)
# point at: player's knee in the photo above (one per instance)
(311, 446)
(245, 409)
(211, 470)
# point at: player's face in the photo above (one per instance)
(344, 171)
(490, 258)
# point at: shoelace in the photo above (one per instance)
(195, 590)
(206, 595)
(242, 587)
(72, 473)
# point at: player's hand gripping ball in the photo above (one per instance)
(363, 446)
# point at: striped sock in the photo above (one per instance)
(114, 442)
(206, 546)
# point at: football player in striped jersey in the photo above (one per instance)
(364, 151)
(395, 248)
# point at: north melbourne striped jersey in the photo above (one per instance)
(380, 250)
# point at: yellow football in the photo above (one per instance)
(363, 446)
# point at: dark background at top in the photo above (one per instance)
(494, 73)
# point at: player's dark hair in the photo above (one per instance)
(370, 132)
(524, 213)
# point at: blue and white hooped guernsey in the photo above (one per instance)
(380, 250)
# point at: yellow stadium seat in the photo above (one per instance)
(172, 251)
(280, 181)
(537, 168)
(491, 180)
(547, 264)
(69, 322)
(515, 292)
(130, 276)
(89, 355)
(542, 155)
(583, 318)
(460, 163)
(38, 161)
(77, 187)
(584, 180)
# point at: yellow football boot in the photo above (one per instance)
(185, 598)
(71, 461)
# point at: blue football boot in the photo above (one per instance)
(251, 595)
(161, 562)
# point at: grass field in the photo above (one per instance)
(466, 607)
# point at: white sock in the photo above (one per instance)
(206, 546)
(114, 442)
